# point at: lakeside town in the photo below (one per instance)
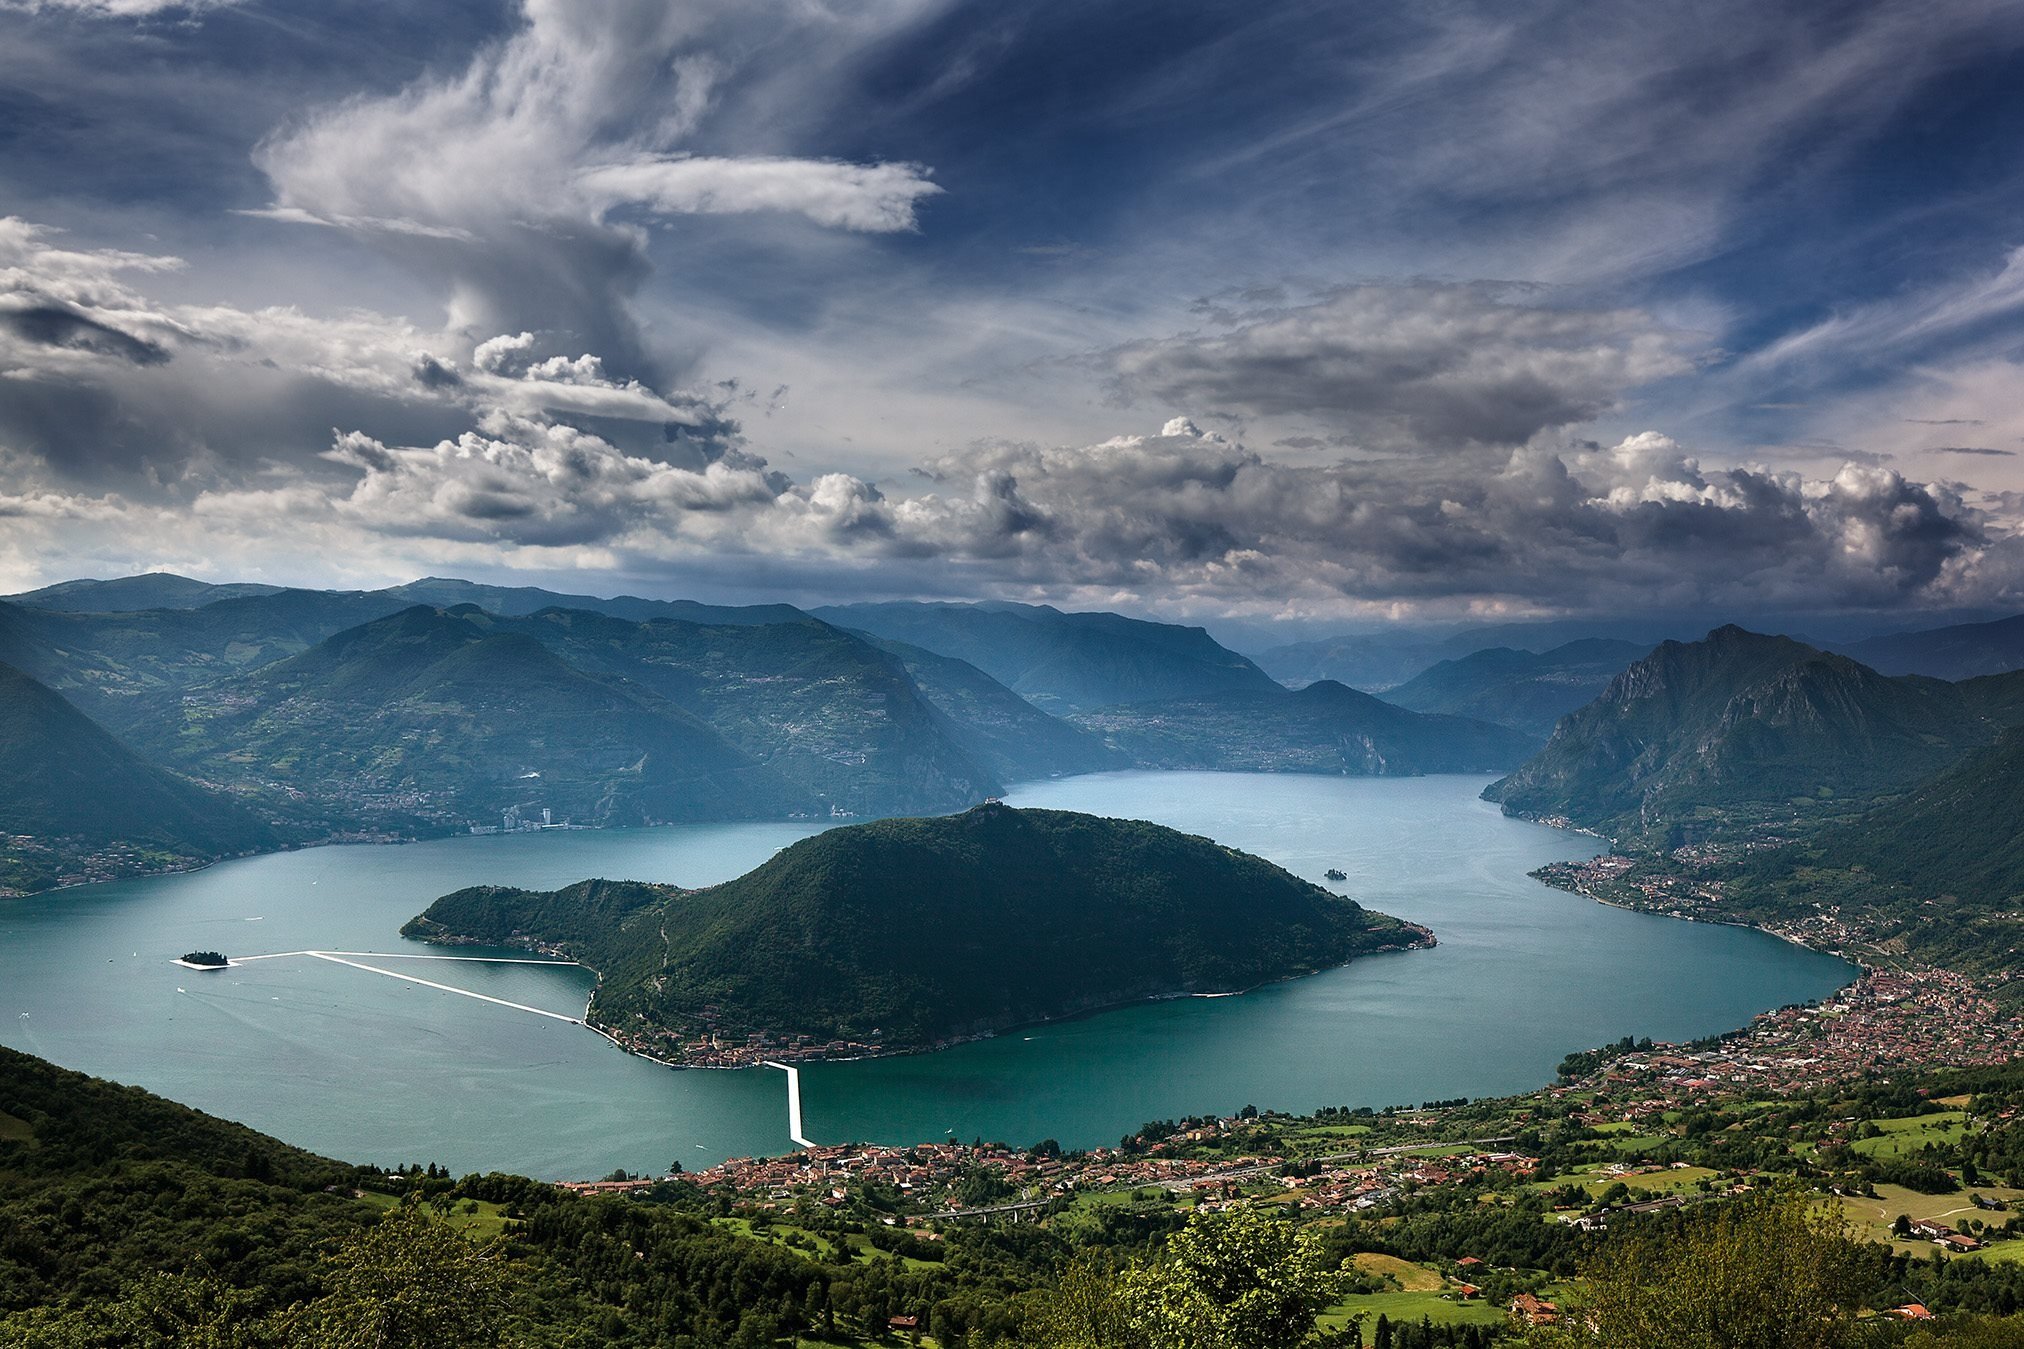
(1883, 1021)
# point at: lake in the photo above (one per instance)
(368, 1068)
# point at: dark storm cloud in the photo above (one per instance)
(1423, 362)
(56, 326)
(1194, 515)
(431, 373)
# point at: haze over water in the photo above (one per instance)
(374, 1069)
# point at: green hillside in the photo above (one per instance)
(906, 933)
(1323, 728)
(1527, 691)
(1742, 729)
(77, 801)
(126, 669)
(1063, 661)
(1939, 871)
(131, 1222)
(1001, 730)
(435, 717)
(822, 709)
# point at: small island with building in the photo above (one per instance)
(203, 960)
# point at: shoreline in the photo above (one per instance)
(1423, 939)
(461, 831)
(1569, 827)
(673, 1063)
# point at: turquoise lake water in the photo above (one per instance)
(368, 1068)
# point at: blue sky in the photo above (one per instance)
(1314, 312)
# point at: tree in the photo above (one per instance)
(1768, 1269)
(1244, 1280)
(159, 1311)
(407, 1283)
(1085, 1309)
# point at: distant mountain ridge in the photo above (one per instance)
(903, 934)
(1960, 651)
(1062, 661)
(166, 590)
(1380, 662)
(1525, 690)
(127, 594)
(841, 720)
(1698, 736)
(1325, 727)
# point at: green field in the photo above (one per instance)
(779, 1234)
(478, 1219)
(1630, 1144)
(1673, 1180)
(1442, 1311)
(1327, 1132)
(1410, 1278)
(1903, 1137)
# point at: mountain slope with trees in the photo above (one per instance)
(1741, 729)
(1938, 871)
(434, 716)
(128, 1220)
(821, 708)
(71, 792)
(1001, 730)
(906, 933)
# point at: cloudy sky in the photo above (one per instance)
(1254, 309)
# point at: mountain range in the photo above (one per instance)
(906, 933)
(443, 704)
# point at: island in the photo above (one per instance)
(910, 934)
(204, 960)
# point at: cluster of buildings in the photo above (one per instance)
(1355, 1186)
(1884, 1020)
(928, 1174)
(54, 864)
(707, 1048)
(513, 820)
(1945, 1237)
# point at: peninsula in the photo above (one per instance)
(907, 934)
